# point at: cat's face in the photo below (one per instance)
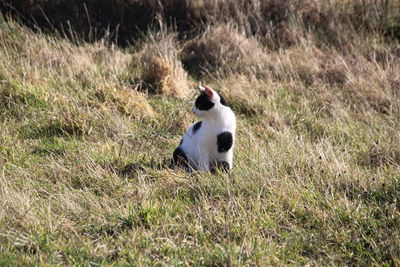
(207, 102)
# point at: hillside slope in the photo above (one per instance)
(87, 130)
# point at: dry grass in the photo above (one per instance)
(223, 50)
(84, 154)
(161, 69)
(125, 100)
(333, 21)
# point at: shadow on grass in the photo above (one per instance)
(54, 129)
(53, 146)
(383, 194)
(14, 102)
(134, 168)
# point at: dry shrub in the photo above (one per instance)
(161, 69)
(223, 50)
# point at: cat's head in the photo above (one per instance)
(208, 102)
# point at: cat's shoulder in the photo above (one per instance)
(194, 128)
(197, 126)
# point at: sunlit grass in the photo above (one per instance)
(84, 156)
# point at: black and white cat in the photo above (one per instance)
(208, 144)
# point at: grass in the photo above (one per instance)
(87, 133)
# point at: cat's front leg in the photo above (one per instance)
(203, 163)
(223, 162)
(180, 159)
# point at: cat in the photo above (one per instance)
(207, 145)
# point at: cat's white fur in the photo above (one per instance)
(201, 147)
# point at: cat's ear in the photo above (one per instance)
(202, 89)
(209, 92)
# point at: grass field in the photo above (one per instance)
(87, 130)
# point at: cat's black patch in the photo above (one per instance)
(221, 165)
(223, 102)
(224, 141)
(179, 158)
(197, 126)
(203, 102)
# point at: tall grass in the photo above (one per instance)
(87, 130)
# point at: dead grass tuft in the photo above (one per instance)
(161, 70)
(126, 100)
(223, 50)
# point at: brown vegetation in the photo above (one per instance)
(87, 130)
(273, 21)
(161, 68)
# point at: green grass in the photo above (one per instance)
(84, 177)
